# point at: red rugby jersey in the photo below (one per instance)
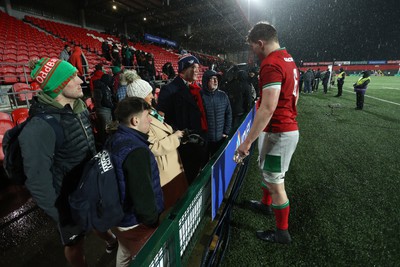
(278, 68)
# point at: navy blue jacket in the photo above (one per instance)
(132, 141)
(218, 110)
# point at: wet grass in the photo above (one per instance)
(343, 186)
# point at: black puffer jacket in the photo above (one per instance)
(52, 177)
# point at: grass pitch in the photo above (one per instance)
(343, 185)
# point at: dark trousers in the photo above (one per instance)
(360, 100)
(325, 87)
(340, 88)
(194, 157)
(316, 84)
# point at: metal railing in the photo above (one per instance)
(173, 242)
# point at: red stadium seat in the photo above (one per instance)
(5, 116)
(20, 114)
(23, 90)
(4, 126)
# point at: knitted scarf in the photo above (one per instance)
(195, 91)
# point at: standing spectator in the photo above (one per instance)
(181, 103)
(360, 87)
(218, 111)
(117, 72)
(138, 178)
(253, 80)
(141, 62)
(106, 51)
(128, 56)
(115, 56)
(65, 54)
(301, 81)
(168, 70)
(150, 69)
(239, 93)
(164, 143)
(275, 126)
(308, 78)
(96, 75)
(126, 77)
(104, 104)
(325, 80)
(340, 81)
(316, 80)
(53, 175)
(78, 60)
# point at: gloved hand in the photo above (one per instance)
(196, 139)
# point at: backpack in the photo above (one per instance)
(13, 162)
(96, 202)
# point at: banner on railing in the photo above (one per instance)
(224, 166)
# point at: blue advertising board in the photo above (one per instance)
(159, 40)
(224, 166)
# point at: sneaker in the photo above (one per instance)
(111, 246)
(259, 206)
(278, 236)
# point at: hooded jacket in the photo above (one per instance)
(96, 76)
(218, 109)
(52, 177)
(78, 60)
(103, 96)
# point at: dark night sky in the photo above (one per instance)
(320, 30)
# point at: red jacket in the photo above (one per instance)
(95, 76)
(76, 60)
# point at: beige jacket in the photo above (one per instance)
(164, 147)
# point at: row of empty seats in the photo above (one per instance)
(8, 121)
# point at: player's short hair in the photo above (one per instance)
(262, 31)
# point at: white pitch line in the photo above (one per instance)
(391, 88)
(379, 99)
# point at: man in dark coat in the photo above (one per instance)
(239, 93)
(181, 103)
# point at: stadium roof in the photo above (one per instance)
(211, 26)
(202, 24)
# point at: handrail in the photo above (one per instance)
(172, 243)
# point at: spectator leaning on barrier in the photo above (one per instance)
(52, 176)
(274, 125)
(218, 111)
(138, 178)
(164, 143)
(181, 104)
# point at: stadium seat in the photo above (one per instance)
(4, 126)
(5, 116)
(23, 91)
(20, 114)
